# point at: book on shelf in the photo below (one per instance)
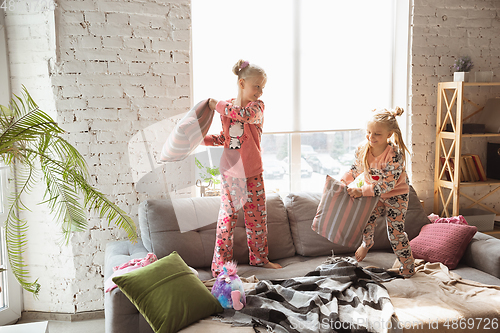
(447, 170)
(471, 167)
(465, 170)
(479, 167)
(474, 163)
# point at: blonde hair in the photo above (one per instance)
(387, 118)
(243, 69)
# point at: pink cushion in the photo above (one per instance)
(442, 242)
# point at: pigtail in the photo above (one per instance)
(398, 136)
(363, 156)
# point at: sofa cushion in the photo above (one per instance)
(168, 294)
(160, 232)
(302, 207)
(442, 242)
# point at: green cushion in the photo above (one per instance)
(168, 294)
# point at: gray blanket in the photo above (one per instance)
(338, 296)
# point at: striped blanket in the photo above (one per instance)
(188, 133)
(338, 296)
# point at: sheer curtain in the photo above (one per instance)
(328, 62)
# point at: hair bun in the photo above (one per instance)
(241, 64)
(398, 111)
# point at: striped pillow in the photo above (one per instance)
(340, 218)
(188, 133)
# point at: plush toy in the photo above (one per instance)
(228, 288)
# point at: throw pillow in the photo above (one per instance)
(188, 133)
(341, 218)
(168, 294)
(442, 242)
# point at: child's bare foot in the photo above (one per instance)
(272, 265)
(361, 253)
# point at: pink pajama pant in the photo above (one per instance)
(394, 209)
(249, 194)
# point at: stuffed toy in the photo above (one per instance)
(228, 288)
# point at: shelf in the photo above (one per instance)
(489, 182)
(450, 110)
(451, 135)
(481, 84)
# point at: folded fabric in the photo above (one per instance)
(453, 219)
(129, 266)
(188, 133)
(340, 218)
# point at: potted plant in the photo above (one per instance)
(461, 68)
(209, 176)
(31, 140)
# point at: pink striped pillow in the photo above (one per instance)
(340, 218)
(188, 133)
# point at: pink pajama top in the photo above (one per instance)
(386, 177)
(241, 135)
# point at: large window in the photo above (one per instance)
(329, 63)
(10, 293)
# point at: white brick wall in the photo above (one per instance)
(121, 67)
(441, 31)
(124, 66)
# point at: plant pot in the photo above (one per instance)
(461, 76)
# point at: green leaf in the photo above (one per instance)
(30, 139)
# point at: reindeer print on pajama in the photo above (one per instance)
(247, 194)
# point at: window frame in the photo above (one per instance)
(11, 289)
(399, 84)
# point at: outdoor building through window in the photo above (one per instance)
(328, 64)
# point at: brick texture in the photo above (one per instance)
(441, 31)
(116, 79)
(116, 76)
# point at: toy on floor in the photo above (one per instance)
(228, 288)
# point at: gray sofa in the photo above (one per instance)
(292, 243)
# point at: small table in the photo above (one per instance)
(37, 327)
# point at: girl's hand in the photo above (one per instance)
(355, 192)
(212, 103)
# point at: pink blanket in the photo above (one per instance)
(128, 267)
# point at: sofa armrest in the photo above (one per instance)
(120, 252)
(121, 316)
(483, 253)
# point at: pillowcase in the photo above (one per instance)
(168, 294)
(188, 133)
(442, 242)
(340, 218)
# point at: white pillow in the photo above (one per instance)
(188, 133)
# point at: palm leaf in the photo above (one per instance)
(31, 138)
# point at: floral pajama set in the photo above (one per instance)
(387, 179)
(242, 185)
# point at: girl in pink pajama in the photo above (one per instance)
(382, 159)
(241, 168)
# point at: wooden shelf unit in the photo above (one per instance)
(450, 110)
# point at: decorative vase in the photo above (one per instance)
(461, 76)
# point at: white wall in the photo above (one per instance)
(118, 67)
(442, 31)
